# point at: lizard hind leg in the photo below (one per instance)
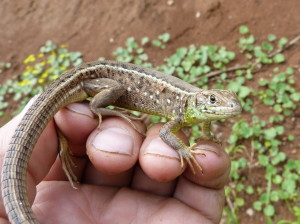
(109, 112)
(206, 134)
(65, 155)
(106, 92)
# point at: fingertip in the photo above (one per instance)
(114, 147)
(76, 122)
(157, 159)
(215, 164)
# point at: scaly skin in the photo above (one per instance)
(110, 83)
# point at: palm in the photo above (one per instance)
(58, 203)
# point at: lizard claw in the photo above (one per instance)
(189, 155)
(66, 160)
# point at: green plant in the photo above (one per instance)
(39, 70)
(4, 66)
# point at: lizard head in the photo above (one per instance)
(215, 104)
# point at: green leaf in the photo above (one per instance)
(244, 91)
(239, 187)
(257, 205)
(277, 108)
(131, 43)
(264, 198)
(239, 202)
(283, 41)
(271, 37)
(289, 70)
(281, 77)
(269, 101)
(244, 29)
(274, 196)
(230, 55)
(291, 138)
(165, 37)
(267, 46)
(289, 186)
(279, 58)
(295, 96)
(270, 133)
(251, 39)
(280, 157)
(271, 170)
(249, 190)
(279, 130)
(186, 64)
(196, 71)
(158, 43)
(269, 210)
(287, 112)
(263, 82)
(181, 52)
(277, 179)
(145, 40)
(263, 160)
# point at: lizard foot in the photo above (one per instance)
(108, 112)
(66, 160)
(189, 155)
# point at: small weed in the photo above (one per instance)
(39, 70)
(4, 66)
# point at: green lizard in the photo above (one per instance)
(110, 83)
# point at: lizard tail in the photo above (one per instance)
(14, 169)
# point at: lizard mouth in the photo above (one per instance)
(225, 111)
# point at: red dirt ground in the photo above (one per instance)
(96, 28)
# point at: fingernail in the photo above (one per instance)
(159, 147)
(114, 140)
(81, 108)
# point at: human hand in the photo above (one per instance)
(113, 187)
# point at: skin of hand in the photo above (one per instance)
(124, 177)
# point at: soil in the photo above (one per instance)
(96, 28)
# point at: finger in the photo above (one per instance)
(75, 122)
(143, 182)
(207, 201)
(113, 150)
(215, 163)
(158, 160)
(159, 163)
(205, 192)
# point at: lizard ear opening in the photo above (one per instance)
(200, 100)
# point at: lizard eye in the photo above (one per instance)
(212, 99)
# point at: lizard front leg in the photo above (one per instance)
(206, 135)
(185, 152)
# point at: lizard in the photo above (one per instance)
(123, 85)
